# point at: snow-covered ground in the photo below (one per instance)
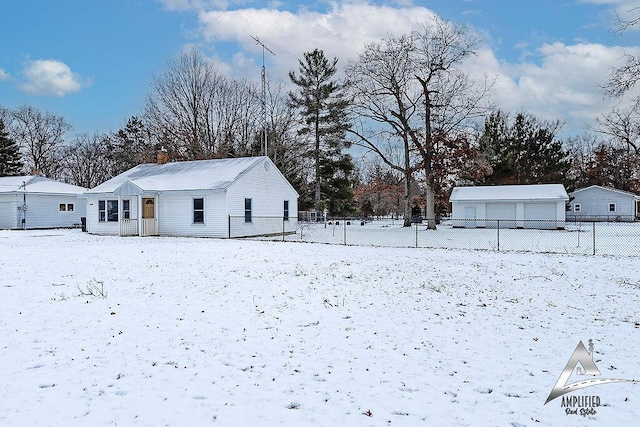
(240, 332)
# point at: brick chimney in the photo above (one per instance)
(162, 156)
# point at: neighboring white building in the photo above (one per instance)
(597, 203)
(233, 197)
(515, 206)
(28, 202)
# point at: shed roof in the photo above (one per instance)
(214, 174)
(37, 185)
(615, 190)
(537, 192)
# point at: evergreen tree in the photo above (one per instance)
(525, 151)
(10, 161)
(323, 106)
(130, 146)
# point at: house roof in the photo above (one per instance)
(215, 174)
(615, 190)
(37, 185)
(550, 192)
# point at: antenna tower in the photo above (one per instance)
(264, 96)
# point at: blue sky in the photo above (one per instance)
(92, 61)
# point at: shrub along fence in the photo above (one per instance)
(587, 237)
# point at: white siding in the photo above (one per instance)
(7, 214)
(175, 214)
(594, 204)
(42, 211)
(267, 190)
(93, 225)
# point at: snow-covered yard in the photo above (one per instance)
(239, 332)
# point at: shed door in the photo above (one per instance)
(540, 215)
(5, 215)
(470, 217)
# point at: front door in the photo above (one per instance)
(149, 216)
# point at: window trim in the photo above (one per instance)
(577, 207)
(62, 207)
(248, 211)
(194, 210)
(614, 206)
(126, 213)
(104, 211)
(70, 207)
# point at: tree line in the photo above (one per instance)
(419, 122)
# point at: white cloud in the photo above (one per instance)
(565, 83)
(51, 77)
(342, 31)
(553, 81)
(4, 75)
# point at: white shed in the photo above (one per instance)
(514, 206)
(233, 197)
(28, 202)
(597, 203)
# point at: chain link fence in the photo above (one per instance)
(545, 236)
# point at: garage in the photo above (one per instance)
(539, 206)
(5, 215)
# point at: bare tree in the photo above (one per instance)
(449, 98)
(386, 100)
(622, 125)
(86, 161)
(41, 137)
(624, 77)
(180, 106)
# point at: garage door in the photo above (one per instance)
(5, 215)
(505, 212)
(540, 215)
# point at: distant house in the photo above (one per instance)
(205, 198)
(28, 202)
(598, 203)
(514, 206)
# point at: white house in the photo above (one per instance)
(28, 202)
(597, 203)
(514, 206)
(233, 197)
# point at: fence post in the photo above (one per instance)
(416, 234)
(498, 227)
(594, 237)
(283, 225)
(344, 224)
(229, 225)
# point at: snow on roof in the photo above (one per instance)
(510, 193)
(628, 193)
(175, 176)
(37, 184)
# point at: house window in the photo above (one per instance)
(126, 209)
(70, 207)
(612, 207)
(247, 210)
(102, 217)
(567, 207)
(63, 207)
(286, 210)
(198, 211)
(577, 207)
(112, 210)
